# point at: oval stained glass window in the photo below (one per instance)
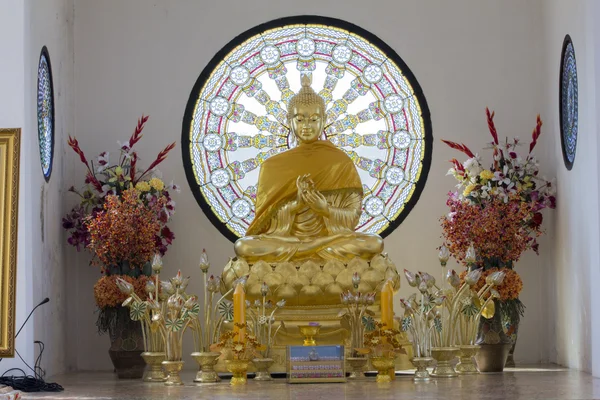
(236, 118)
(568, 105)
(45, 113)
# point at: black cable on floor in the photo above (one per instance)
(28, 383)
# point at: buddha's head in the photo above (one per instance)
(306, 113)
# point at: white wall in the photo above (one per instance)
(50, 24)
(24, 28)
(574, 330)
(139, 57)
(12, 100)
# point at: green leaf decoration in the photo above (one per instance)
(406, 323)
(194, 310)
(226, 310)
(368, 322)
(437, 323)
(137, 310)
(470, 310)
(174, 325)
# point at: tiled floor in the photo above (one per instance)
(542, 382)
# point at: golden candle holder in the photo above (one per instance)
(443, 356)
(309, 332)
(206, 362)
(383, 365)
(154, 372)
(421, 363)
(239, 369)
(357, 366)
(262, 366)
(173, 368)
(466, 366)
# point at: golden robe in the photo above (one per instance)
(278, 234)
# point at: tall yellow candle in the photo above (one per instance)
(239, 311)
(387, 305)
(387, 313)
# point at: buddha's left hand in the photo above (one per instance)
(317, 202)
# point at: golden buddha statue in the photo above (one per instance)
(302, 242)
(309, 198)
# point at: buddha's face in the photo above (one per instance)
(307, 122)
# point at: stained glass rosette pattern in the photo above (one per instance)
(568, 102)
(45, 113)
(237, 118)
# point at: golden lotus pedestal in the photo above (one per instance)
(312, 293)
(173, 368)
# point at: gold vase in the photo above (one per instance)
(443, 356)
(154, 372)
(357, 367)
(466, 366)
(309, 332)
(383, 365)
(239, 369)
(206, 362)
(262, 366)
(421, 364)
(172, 368)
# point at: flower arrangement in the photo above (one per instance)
(382, 342)
(497, 210)
(510, 178)
(121, 219)
(240, 349)
(114, 183)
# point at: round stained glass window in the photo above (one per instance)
(45, 113)
(236, 118)
(568, 102)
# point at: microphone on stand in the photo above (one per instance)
(27, 319)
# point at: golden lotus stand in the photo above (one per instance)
(443, 356)
(357, 367)
(206, 362)
(421, 364)
(173, 368)
(466, 366)
(309, 332)
(154, 372)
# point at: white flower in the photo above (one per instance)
(175, 187)
(473, 165)
(102, 161)
(125, 149)
(106, 189)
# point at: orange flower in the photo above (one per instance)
(125, 231)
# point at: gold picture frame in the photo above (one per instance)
(9, 202)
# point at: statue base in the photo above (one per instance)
(312, 291)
